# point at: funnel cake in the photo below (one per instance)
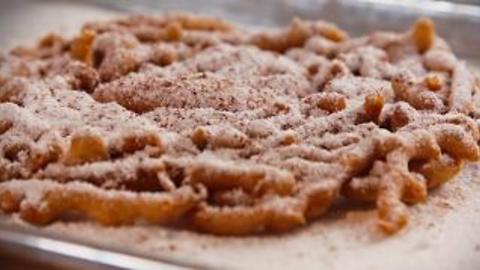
(194, 122)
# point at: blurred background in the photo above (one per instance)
(458, 21)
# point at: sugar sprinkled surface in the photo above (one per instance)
(175, 111)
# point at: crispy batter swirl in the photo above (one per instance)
(193, 121)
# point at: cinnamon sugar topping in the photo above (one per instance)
(230, 131)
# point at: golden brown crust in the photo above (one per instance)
(187, 119)
(423, 34)
(57, 200)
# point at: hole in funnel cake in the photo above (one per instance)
(230, 131)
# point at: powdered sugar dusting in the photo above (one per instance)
(264, 130)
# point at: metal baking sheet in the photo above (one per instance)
(33, 247)
(458, 23)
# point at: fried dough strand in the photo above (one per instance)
(423, 34)
(188, 119)
(41, 202)
(460, 99)
(275, 215)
